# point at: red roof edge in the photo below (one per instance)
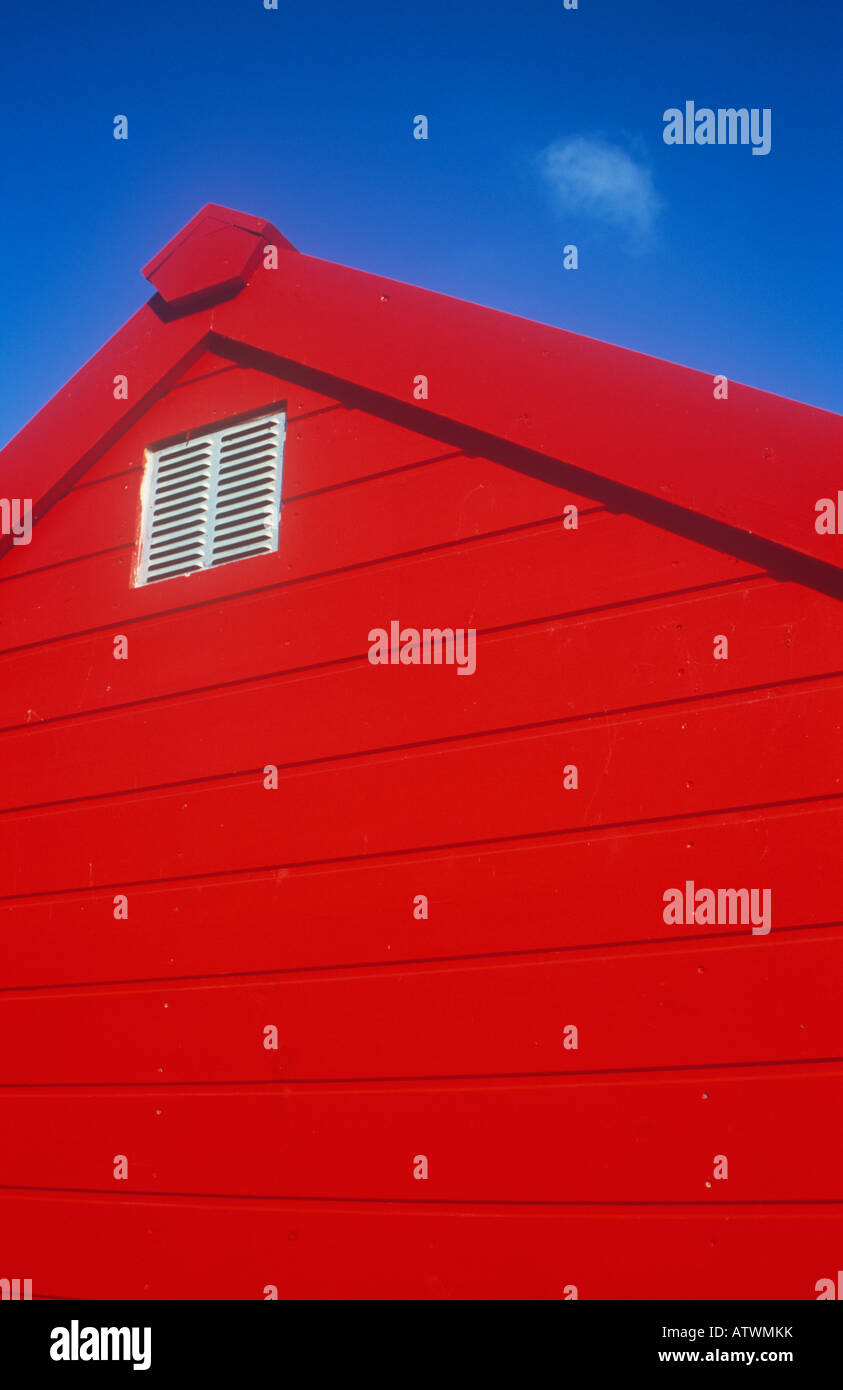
(213, 256)
(751, 464)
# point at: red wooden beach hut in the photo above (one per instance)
(331, 976)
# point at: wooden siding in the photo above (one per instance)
(294, 907)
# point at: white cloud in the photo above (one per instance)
(588, 175)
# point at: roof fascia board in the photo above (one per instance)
(755, 462)
(752, 549)
(83, 419)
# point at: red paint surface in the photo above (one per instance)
(216, 250)
(399, 1037)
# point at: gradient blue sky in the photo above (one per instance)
(707, 256)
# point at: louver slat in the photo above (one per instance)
(213, 499)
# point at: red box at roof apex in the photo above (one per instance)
(218, 250)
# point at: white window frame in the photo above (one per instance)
(213, 443)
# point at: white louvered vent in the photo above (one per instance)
(214, 498)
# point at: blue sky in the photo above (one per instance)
(545, 128)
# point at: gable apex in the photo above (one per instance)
(748, 471)
(215, 255)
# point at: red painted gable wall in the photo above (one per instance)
(293, 1168)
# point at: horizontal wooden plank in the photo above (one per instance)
(739, 1000)
(529, 896)
(88, 521)
(442, 502)
(342, 446)
(532, 675)
(331, 448)
(98, 1247)
(196, 404)
(491, 582)
(704, 757)
(652, 1139)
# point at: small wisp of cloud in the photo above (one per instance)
(588, 175)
